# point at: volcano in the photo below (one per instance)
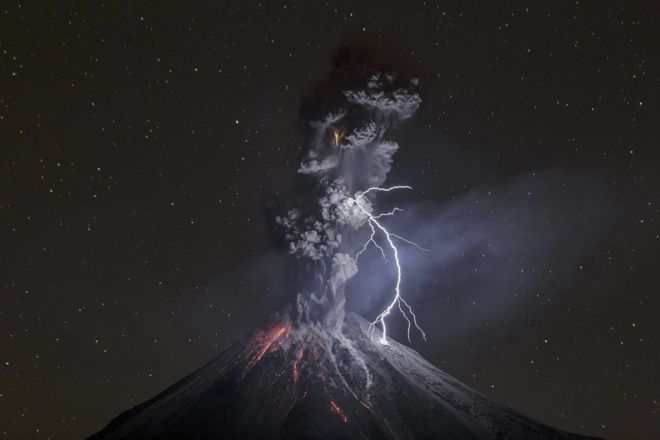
(303, 381)
(318, 372)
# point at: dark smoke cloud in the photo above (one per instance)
(349, 120)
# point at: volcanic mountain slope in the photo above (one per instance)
(304, 382)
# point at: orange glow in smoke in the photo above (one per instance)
(338, 135)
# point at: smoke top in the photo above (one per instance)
(349, 121)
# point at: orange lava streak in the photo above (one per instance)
(337, 410)
(348, 387)
(268, 340)
(296, 371)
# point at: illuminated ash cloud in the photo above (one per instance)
(318, 237)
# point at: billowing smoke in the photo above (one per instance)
(350, 121)
(351, 144)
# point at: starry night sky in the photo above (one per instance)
(142, 142)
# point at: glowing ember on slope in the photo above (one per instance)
(350, 390)
(296, 371)
(337, 410)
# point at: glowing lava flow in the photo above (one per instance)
(269, 338)
(376, 225)
(337, 410)
(296, 369)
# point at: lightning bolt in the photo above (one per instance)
(376, 226)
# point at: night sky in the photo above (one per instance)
(143, 145)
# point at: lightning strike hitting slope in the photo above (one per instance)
(375, 225)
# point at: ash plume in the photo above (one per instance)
(350, 121)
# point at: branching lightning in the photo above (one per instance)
(376, 226)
